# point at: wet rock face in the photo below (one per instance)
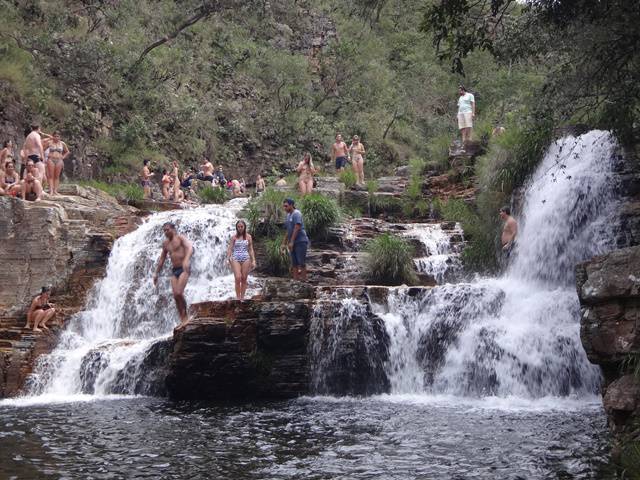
(63, 243)
(279, 347)
(609, 292)
(348, 346)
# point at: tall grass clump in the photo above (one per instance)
(320, 213)
(348, 177)
(210, 194)
(389, 261)
(277, 260)
(265, 213)
(123, 192)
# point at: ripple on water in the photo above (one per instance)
(311, 438)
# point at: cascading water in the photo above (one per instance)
(102, 348)
(442, 259)
(517, 335)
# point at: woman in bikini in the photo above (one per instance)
(241, 257)
(357, 156)
(40, 311)
(306, 171)
(10, 182)
(58, 151)
(166, 183)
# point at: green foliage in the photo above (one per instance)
(123, 192)
(320, 213)
(480, 253)
(265, 213)
(372, 186)
(277, 259)
(630, 461)
(210, 194)
(348, 177)
(631, 365)
(389, 261)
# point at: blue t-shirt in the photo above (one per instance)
(292, 220)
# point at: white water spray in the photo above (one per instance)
(517, 335)
(102, 348)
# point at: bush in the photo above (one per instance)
(480, 233)
(348, 177)
(277, 260)
(265, 213)
(123, 192)
(320, 213)
(210, 194)
(389, 261)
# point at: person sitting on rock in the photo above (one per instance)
(222, 181)
(281, 182)
(7, 151)
(206, 171)
(10, 182)
(31, 186)
(40, 311)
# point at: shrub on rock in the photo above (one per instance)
(319, 213)
(389, 261)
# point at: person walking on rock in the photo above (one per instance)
(180, 251)
(466, 113)
(339, 153)
(306, 171)
(241, 258)
(296, 240)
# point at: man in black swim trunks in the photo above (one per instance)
(34, 150)
(180, 250)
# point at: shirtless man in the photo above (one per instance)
(34, 150)
(509, 231)
(206, 171)
(340, 153)
(145, 178)
(40, 311)
(180, 250)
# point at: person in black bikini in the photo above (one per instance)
(40, 311)
(180, 250)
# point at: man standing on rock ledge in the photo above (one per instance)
(180, 250)
(296, 240)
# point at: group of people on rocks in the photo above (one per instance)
(177, 188)
(240, 256)
(42, 161)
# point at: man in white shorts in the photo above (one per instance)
(466, 113)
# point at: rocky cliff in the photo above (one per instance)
(63, 243)
(609, 292)
(281, 345)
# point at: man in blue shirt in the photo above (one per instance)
(296, 240)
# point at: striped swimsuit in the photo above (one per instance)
(240, 250)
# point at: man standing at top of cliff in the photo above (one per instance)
(466, 113)
(339, 153)
(34, 150)
(509, 231)
(180, 251)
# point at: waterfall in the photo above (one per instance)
(103, 348)
(517, 335)
(441, 258)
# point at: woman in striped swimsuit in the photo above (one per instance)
(241, 257)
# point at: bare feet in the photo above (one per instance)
(26, 326)
(37, 330)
